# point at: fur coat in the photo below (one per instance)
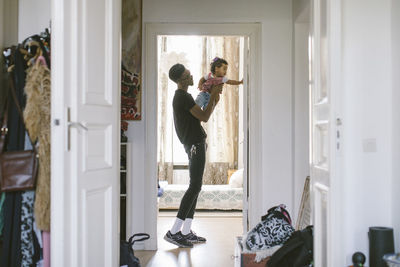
(37, 122)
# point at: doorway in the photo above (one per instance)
(251, 45)
(222, 189)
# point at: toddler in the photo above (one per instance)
(216, 76)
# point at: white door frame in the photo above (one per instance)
(152, 30)
(336, 141)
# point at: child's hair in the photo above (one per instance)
(217, 62)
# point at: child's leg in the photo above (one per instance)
(202, 99)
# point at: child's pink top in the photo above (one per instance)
(211, 80)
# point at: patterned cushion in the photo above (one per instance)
(236, 180)
(221, 197)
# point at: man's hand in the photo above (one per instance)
(216, 89)
(201, 81)
(204, 115)
(216, 99)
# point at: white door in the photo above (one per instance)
(85, 132)
(320, 130)
(244, 127)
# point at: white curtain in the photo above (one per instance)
(166, 91)
(222, 127)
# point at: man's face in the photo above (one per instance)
(186, 78)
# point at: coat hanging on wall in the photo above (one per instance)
(37, 121)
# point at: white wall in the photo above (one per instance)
(34, 17)
(275, 17)
(301, 165)
(9, 22)
(21, 18)
(301, 11)
(396, 118)
(367, 122)
(301, 112)
(137, 136)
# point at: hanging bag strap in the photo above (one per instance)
(132, 239)
(14, 96)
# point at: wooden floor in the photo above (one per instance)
(220, 229)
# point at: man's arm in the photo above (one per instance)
(201, 81)
(204, 115)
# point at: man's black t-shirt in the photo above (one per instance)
(187, 126)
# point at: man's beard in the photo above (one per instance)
(189, 83)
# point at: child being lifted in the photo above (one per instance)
(215, 77)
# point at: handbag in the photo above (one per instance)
(126, 254)
(274, 230)
(18, 169)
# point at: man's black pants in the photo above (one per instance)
(197, 158)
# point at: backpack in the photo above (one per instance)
(126, 255)
(296, 252)
(273, 230)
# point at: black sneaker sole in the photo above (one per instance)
(197, 242)
(166, 238)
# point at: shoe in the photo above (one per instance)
(178, 239)
(193, 238)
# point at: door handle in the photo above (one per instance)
(77, 125)
(73, 124)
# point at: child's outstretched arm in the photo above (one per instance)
(201, 81)
(234, 82)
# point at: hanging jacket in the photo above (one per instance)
(37, 121)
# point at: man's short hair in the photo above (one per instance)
(176, 71)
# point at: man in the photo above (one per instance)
(187, 117)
